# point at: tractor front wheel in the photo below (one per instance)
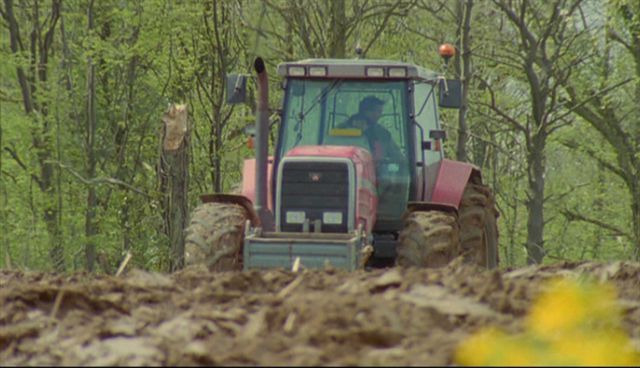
(214, 236)
(428, 239)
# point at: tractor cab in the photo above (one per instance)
(324, 97)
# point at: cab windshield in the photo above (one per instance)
(318, 112)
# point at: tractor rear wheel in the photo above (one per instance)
(214, 236)
(478, 229)
(428, 239)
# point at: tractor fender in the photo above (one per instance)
(452, 178)
(240, 200)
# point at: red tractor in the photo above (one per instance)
(358, 177)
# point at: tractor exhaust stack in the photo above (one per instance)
(262, 144)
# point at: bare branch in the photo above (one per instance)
(4, 96)
(528, 39)
(504, 115)
(513, 62)
(612, 34)
(435, 11)
(13, 178)
(419, 33)
(100, 180)
(24, 167)
(603, 120)
(574, 216)
(16, 47)
(605, 163)
(572, 189)
(380, 29)
(575, 106)
(490, 142)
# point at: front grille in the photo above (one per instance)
(314, 188)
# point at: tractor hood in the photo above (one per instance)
(327, 177)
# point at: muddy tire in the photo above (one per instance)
(428, 239)
(214, 236)
(478, 229)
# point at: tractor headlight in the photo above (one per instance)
(295, 217)
(332, 218)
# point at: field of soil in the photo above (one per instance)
(323, 317)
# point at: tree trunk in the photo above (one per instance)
(174, 176)
(56, 248)
(220, 15)
(90, 213)
(635, 191)
(337, 39)
(217, 185)
(3, 205)
(125, 224)
(465, 75)
(599, 207)
(535, 203)
(635, 217)
(37, 109)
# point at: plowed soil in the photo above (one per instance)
(321, 317)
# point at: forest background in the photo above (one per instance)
(551, 113)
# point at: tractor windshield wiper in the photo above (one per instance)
(321, 96)
(325, 91)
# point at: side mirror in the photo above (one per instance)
(236, 89)
(450, 93)
(438, 134)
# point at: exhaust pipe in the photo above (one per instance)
(262, 145)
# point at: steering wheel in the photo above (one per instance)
(385, 163)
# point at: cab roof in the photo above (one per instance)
(354, 68)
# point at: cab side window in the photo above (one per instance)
(426, 116)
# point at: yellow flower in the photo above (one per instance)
(598, 349)
(571, 323)
(567, 305)
(494, 347)
(477, 348)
